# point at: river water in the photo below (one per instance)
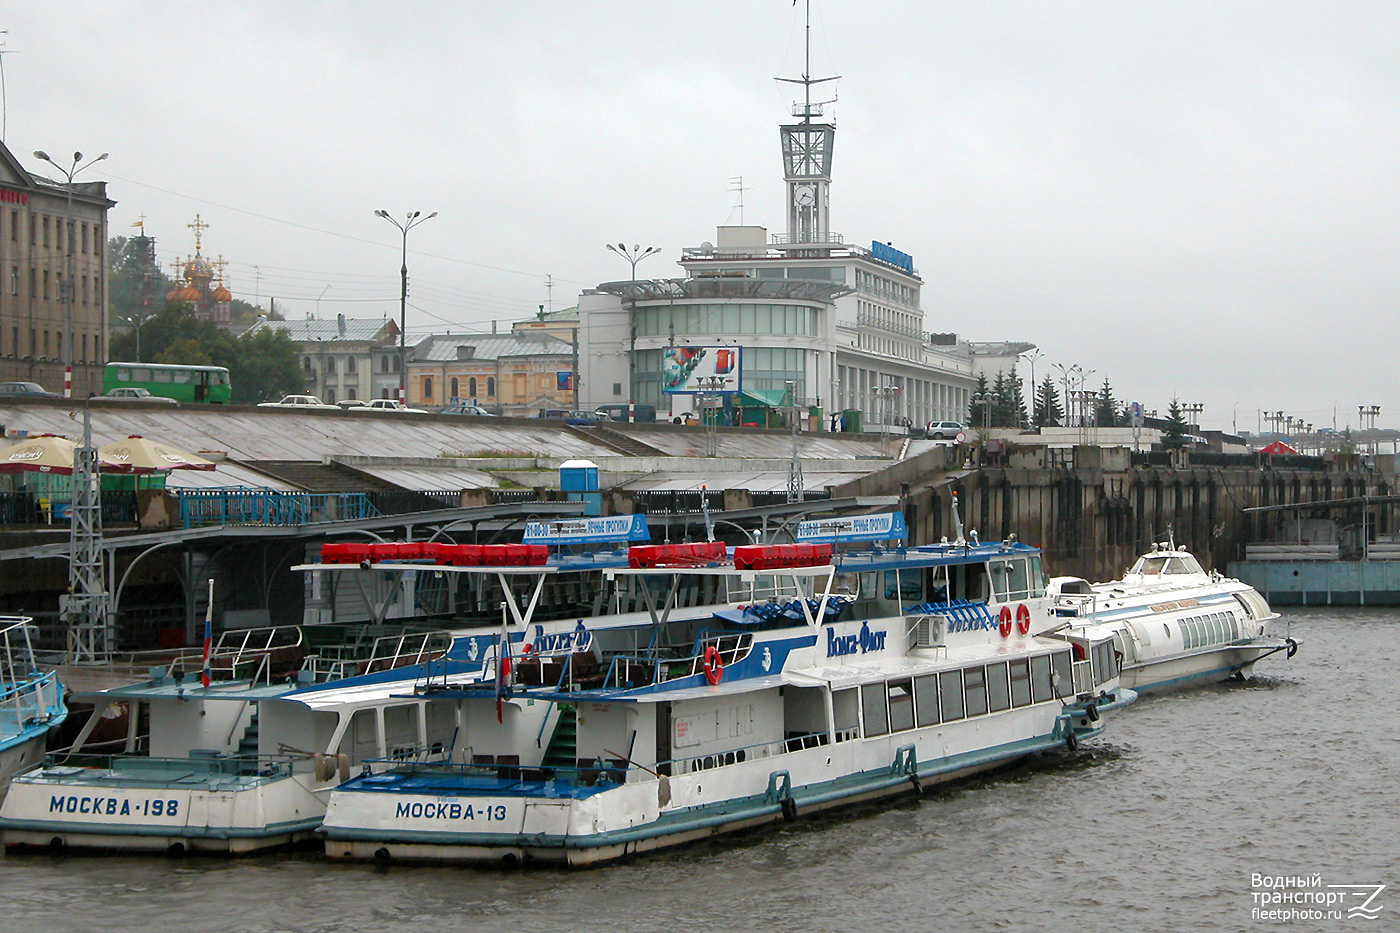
(1161, 824)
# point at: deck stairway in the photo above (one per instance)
(248, 744)
(618, 441)
(563, 744)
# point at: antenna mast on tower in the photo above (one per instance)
(807, 157)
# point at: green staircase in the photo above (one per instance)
(563, 744)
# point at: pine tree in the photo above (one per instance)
(1106, 408)
(1049, 413)
(978, 409)
(1018, 417)
(1174, 434)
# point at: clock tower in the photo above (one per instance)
(807, 159)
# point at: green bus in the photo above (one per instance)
(182, 383)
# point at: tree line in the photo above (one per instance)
(999, 404)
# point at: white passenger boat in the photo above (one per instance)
(1173, 624)
(635, 737)
(240, 764)
(31, 700)
(240, 747)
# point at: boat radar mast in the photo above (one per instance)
(807, 156)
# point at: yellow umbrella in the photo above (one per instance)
(139, 454)
(42, 453)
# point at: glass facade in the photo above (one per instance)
(685, 322)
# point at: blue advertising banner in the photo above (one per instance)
(888, 526)
(588, 530)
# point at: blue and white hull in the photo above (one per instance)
(457, 817)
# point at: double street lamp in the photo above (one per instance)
(632, 256)
(67, 290)
(410, 221)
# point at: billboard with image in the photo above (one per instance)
(692, 370)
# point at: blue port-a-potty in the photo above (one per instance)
(579, 480)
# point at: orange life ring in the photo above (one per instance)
(1023, 619)
(713, 666)
(1004, 621)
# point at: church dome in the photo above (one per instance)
(222, 294)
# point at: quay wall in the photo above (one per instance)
(1094, 513)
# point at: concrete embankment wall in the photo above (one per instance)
(1094, 512)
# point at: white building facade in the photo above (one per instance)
(837, 326)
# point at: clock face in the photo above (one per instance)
(805, 196)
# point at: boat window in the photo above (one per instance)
(1105, 665)
(442, 726)
(926, 699)
(1150, 565)
(1062, 676)
(401, 731)
(874, 712)
(1017, 580)
(845, 710)
(975, 690)
(901, 705)
(998, 690)
(1234, 627)
(1217, 631)
(1036, 577)
(937, 584)
(1000, 574)
(364, 737)
(1041, 688)
(906, 586)
(1020, 682)
(847, 583)
(950, 688)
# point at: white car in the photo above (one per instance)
(135, 394)
(298, 401)
(944, 430)
(392, 404)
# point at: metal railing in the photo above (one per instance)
(335, 662)
(202, 507)
(26, 694)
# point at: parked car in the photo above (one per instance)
(26, 390)
(944, 430)
(586, 417)
(298, 401)
(466, 410)
(619, 412)
(392, 404)
(556, 413)
(135, 394)
(350, 404)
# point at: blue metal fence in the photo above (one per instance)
(270, 507)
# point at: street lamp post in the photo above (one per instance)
(632, 256)
(410, 221)
(136, 320)
(1030, 357)
(710, 387)
(68, 174)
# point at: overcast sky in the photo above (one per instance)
(1196, 199)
